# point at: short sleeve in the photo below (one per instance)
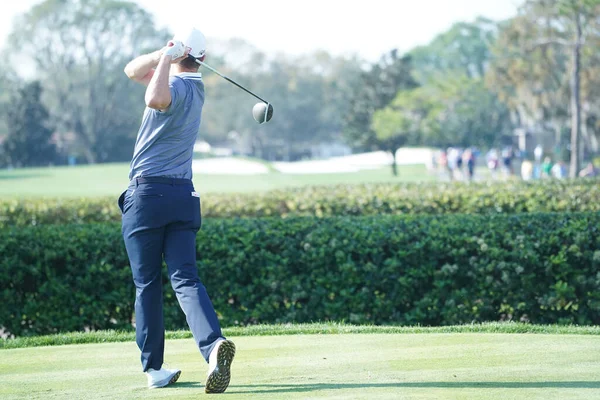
(177, 88)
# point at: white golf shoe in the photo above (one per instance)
(219, 364)
(162, 377)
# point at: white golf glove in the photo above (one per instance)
(177, 50)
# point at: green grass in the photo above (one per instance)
(112, 179)
(303, 329)
(472, 366)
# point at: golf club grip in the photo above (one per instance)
(230, 80)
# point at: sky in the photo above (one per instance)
(368, 28)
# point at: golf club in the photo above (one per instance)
(259, 115)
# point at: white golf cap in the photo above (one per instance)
(192, 38)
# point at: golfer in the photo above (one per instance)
(161, 210)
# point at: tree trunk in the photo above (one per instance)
(89, 155)
(576, 101)
(394, 166)
(87, 149)
(586, 142)
(258, 148)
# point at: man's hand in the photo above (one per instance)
(158, 94)
(176, 50)
(141, 69)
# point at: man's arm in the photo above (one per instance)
(141, 69)
(158, 92)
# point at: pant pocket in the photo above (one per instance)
(121, 200)
(126, 201)
(193, 212)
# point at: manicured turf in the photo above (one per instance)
(111, 180)
(302, 329)
(473, 366)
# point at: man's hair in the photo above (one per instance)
(189, 63)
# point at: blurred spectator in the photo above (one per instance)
(444, 164)
(442, 160)
(537, 170)
(590, 171)
(559, 170)
(459, 164)
(538, 153)
(547, 168)
(507, 158)
(526, 170)
(452, 161)
(469, 161)
(492, 162)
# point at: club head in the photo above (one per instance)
(262, 112)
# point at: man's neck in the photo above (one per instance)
(176, 70)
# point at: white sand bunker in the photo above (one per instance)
(351, 163)
(228, 166)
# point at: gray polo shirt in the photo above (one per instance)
(165, 141)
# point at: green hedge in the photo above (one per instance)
(325, 201)
(412, 270)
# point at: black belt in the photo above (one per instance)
(162, 179)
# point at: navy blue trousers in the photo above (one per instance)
(161, 218)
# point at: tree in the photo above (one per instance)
(310, 97)
(79, 49)
(453, 106)
(375, 90)
(309, 94)
(539, 63)
(8, 84)
(28, 142)
(455, 111)
(465, 49)
(394, 126)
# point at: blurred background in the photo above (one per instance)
(427, 164)
(363, 92)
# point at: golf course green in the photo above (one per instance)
(466, 365)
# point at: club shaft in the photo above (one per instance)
(230, 80)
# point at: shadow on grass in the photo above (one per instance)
(17, 175)
(190, 385)
(285, 388)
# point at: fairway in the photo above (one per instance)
(112, 179)
(333, 366)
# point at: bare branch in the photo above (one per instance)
(545, 42)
